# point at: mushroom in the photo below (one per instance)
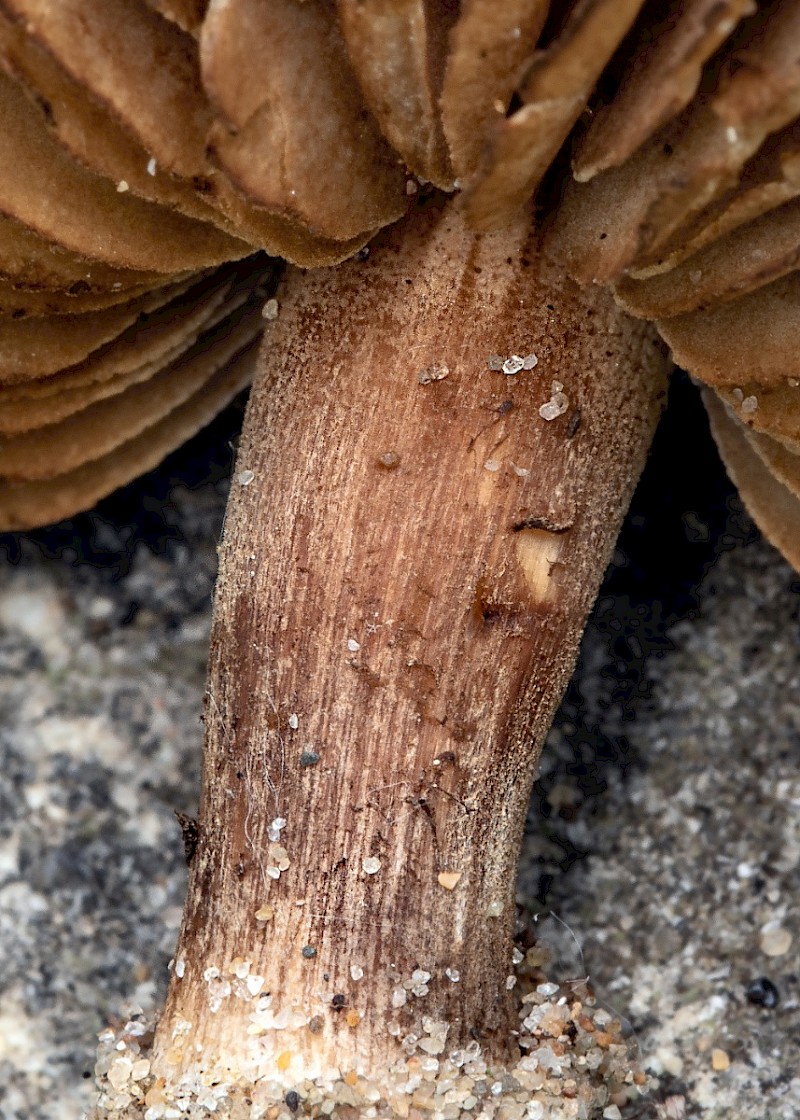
(440, 444)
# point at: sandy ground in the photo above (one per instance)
(662, 853)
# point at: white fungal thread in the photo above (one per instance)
(579, 981)
(258, 760)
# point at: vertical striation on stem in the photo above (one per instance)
(413, 542)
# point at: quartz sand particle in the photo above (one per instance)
(275, 829)
(774, 940)
(512, 365)
(433, 373)
(557, 405)
(719, 1060)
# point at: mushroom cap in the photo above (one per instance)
(176, 163)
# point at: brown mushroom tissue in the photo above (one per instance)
(155, 170)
